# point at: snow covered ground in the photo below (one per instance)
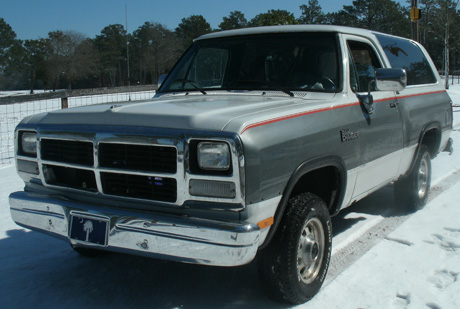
(416, 265)
(21, 92)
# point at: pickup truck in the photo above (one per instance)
(252, 142)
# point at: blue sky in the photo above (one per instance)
(33, 19)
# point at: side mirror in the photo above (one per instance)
(367, 102)
(390, 79)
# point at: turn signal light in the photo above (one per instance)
(266, 223)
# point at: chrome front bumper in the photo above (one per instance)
(185, 239)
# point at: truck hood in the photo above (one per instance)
(193, 112)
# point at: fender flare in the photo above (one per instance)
(301, 170)
(425, 129)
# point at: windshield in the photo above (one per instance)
(278, 62)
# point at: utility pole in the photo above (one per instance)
(415, 16)
(127, 48)
(446, 48)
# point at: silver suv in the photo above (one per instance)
(253, 141)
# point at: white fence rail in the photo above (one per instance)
(12, 114)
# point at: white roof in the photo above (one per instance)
(288, 29)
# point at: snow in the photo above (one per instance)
(20, 92)
(416, 265)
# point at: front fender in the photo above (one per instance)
(302, 171)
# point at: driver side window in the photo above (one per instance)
(363, 64)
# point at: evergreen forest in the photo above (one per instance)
(69, 59)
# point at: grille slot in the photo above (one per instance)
(149, 158)
(70, 178)
(142, 187)
(64, 151)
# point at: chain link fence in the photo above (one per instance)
(11, 112)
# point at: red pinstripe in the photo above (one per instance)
(278, 119)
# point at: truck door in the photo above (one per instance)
(381, 134)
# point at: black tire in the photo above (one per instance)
(412, 190)
(293, 266)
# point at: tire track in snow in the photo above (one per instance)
(351, 252)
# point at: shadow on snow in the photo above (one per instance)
(39, 270)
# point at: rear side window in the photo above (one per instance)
(403, 54)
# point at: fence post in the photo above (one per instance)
(64, 102)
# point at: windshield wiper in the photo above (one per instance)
(263, 83)
(286, 91)
(191, 83)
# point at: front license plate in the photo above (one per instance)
(89, 229)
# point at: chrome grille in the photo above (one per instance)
(125, 166)
(117, 169)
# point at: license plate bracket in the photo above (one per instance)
(89, 229)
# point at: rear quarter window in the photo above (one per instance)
(406, 55)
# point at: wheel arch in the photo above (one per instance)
(325, 177)
(430, 136)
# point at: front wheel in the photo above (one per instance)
(293, 266)
(412, 190)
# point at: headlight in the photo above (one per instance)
(29, 143)
(213, 156)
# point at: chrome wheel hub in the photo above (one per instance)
(422, 180)
(310, 252)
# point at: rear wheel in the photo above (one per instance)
(412, 190)
(293, 266)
